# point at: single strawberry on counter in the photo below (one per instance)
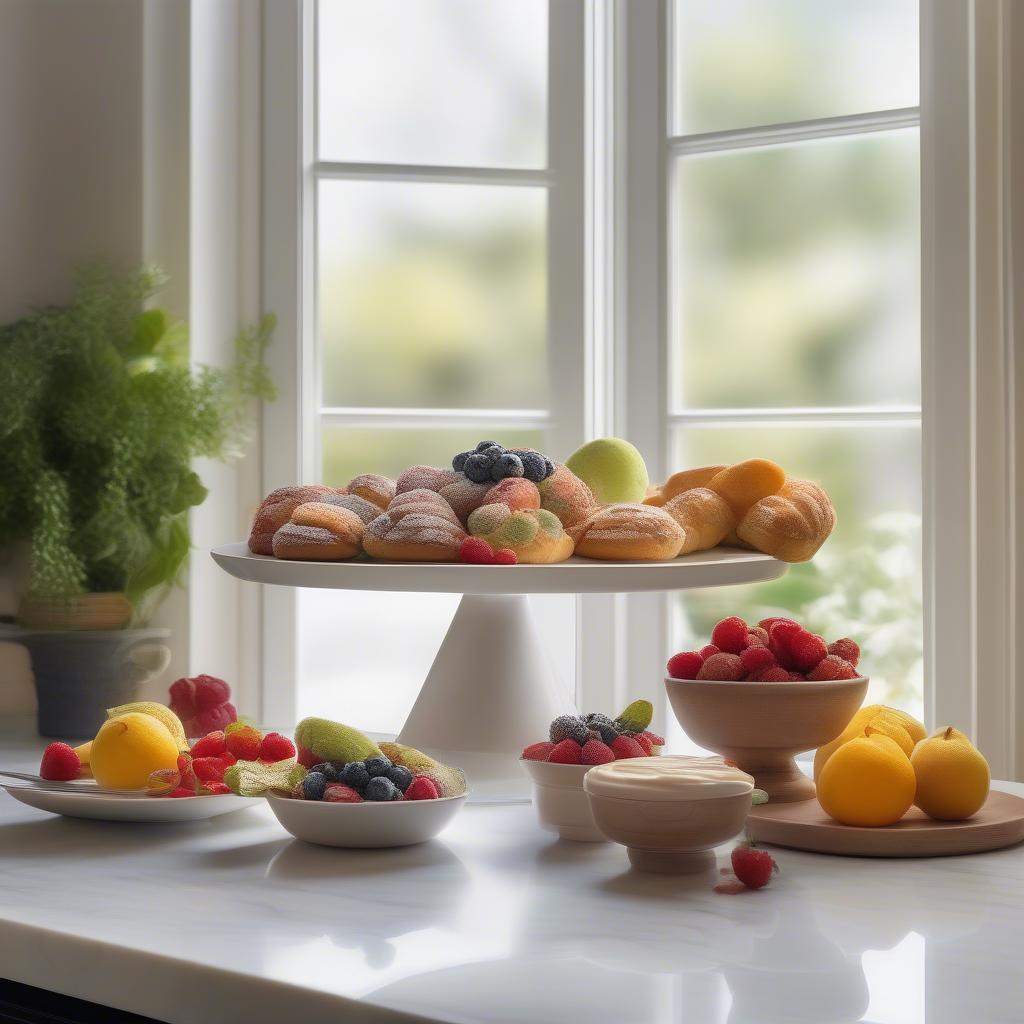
(753, 866)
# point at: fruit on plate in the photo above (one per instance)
(776, 650)
(60, 763)
(597, 739)
(320, 739)
(884, 719)
(84, 752)
(612, 468)
(869, 781)
(158, 711)
(129, 748)
(952, 776)
(203, 703)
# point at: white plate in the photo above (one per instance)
(368, 824)
(131, 806)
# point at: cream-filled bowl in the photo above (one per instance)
(669, 812)
(558, 798)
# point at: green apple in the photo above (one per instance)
(612, 468)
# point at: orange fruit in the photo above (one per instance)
(867, 716)
(868, 781)
(889, 725)
(952, 776)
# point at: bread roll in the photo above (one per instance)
(705, 517)
(414, 537)
(320, 532)
(684, 480)
(629, 532)
(276, 509)
(373, 487)
(790, 525)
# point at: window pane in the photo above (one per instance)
(455, 82)
(433, 295)
(796, 274)
(865, 582)
(740, 63)
(349, 451)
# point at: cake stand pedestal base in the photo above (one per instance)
(490, 692)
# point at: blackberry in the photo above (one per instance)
(484, 445)
(354, 774)
(568, 727)
(313, 786)
(534, 466)
(477, 468)
(400, 776)
(608, 729)
(382, 789)
(460, 461)
(376, 766)
(506, 465)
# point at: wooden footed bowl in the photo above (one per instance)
(763, 726)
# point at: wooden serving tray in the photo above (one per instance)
(805, 826)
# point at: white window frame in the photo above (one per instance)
(971, 558)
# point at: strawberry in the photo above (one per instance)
(845, 649)
(244, 743)
(505, 556)
(645, 743)
(684, 665)
(779, 637)
(625, 746)
(756, 659)
(656, 740)
(566, 752)
(537, 751)
(806, 649)
(596, 752)
(832, 667)
(753, 866)
(707, 650)
(476, 551)
(275, 747)
(422, 788)
(216, 788)
(722, 667)
(730, 635)
(211, 745)
(60, 763)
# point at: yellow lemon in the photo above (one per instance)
(889, 725)
(128, 748)
(910, 723)
(868, 781)
(855, 728)
(84, 752)
(952, 776)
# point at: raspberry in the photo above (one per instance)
(210, 692)
(757, 635)
(777, 674)
(596, 752)
(845, 649)
(505, 556)
(60, 763)
(684, 665)
(753, 867)
(209, 769)
(422, 788)
(537, 751)
(806, 649)
(779, 637)
(244, 743)
(766, 624)
(339, 793)
(211, 719)
(476, 551)
(656, 740)
(832, 667)
(645, 743)
(183, 698)
(756, 659)
(211, 745)
(275, 747)
(216, 788)
(730, 635)
(182, 791)
(566, 752)
(626, 746)
(187, 772)
(709, 649)
(722, 667)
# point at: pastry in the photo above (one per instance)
(276, 509)
(373, 487)
(684, 480)
(535, 535)
(320, 532)
(464, 495)
(567, 496)
(705, 516)
(430, 477)
(612, 468)
(419, 526)
(790, 525)
(629, 532)
(515, 492)
(366, 510)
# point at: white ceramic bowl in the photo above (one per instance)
(366, 825)
(561, 804)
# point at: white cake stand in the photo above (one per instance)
(491, 683)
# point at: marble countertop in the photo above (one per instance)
(496, 921)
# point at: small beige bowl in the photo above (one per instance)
(669, 812)
(561, 804)
(762, 726)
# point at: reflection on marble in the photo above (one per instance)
(495, 922)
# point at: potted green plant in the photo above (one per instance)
(101, 418)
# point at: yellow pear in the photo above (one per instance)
(128, 748)
(952, 776)
(868, 781)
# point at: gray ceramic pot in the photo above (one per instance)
(80, 673)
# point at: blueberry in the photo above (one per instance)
(484, 445)
(568, 727)
(313, 786)
(377, 766)
(381, 789)
(533, 466)
(400, 776)
(459, 462)
(354, 774)
(505, 466)
(328, 771)
(478, 469)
